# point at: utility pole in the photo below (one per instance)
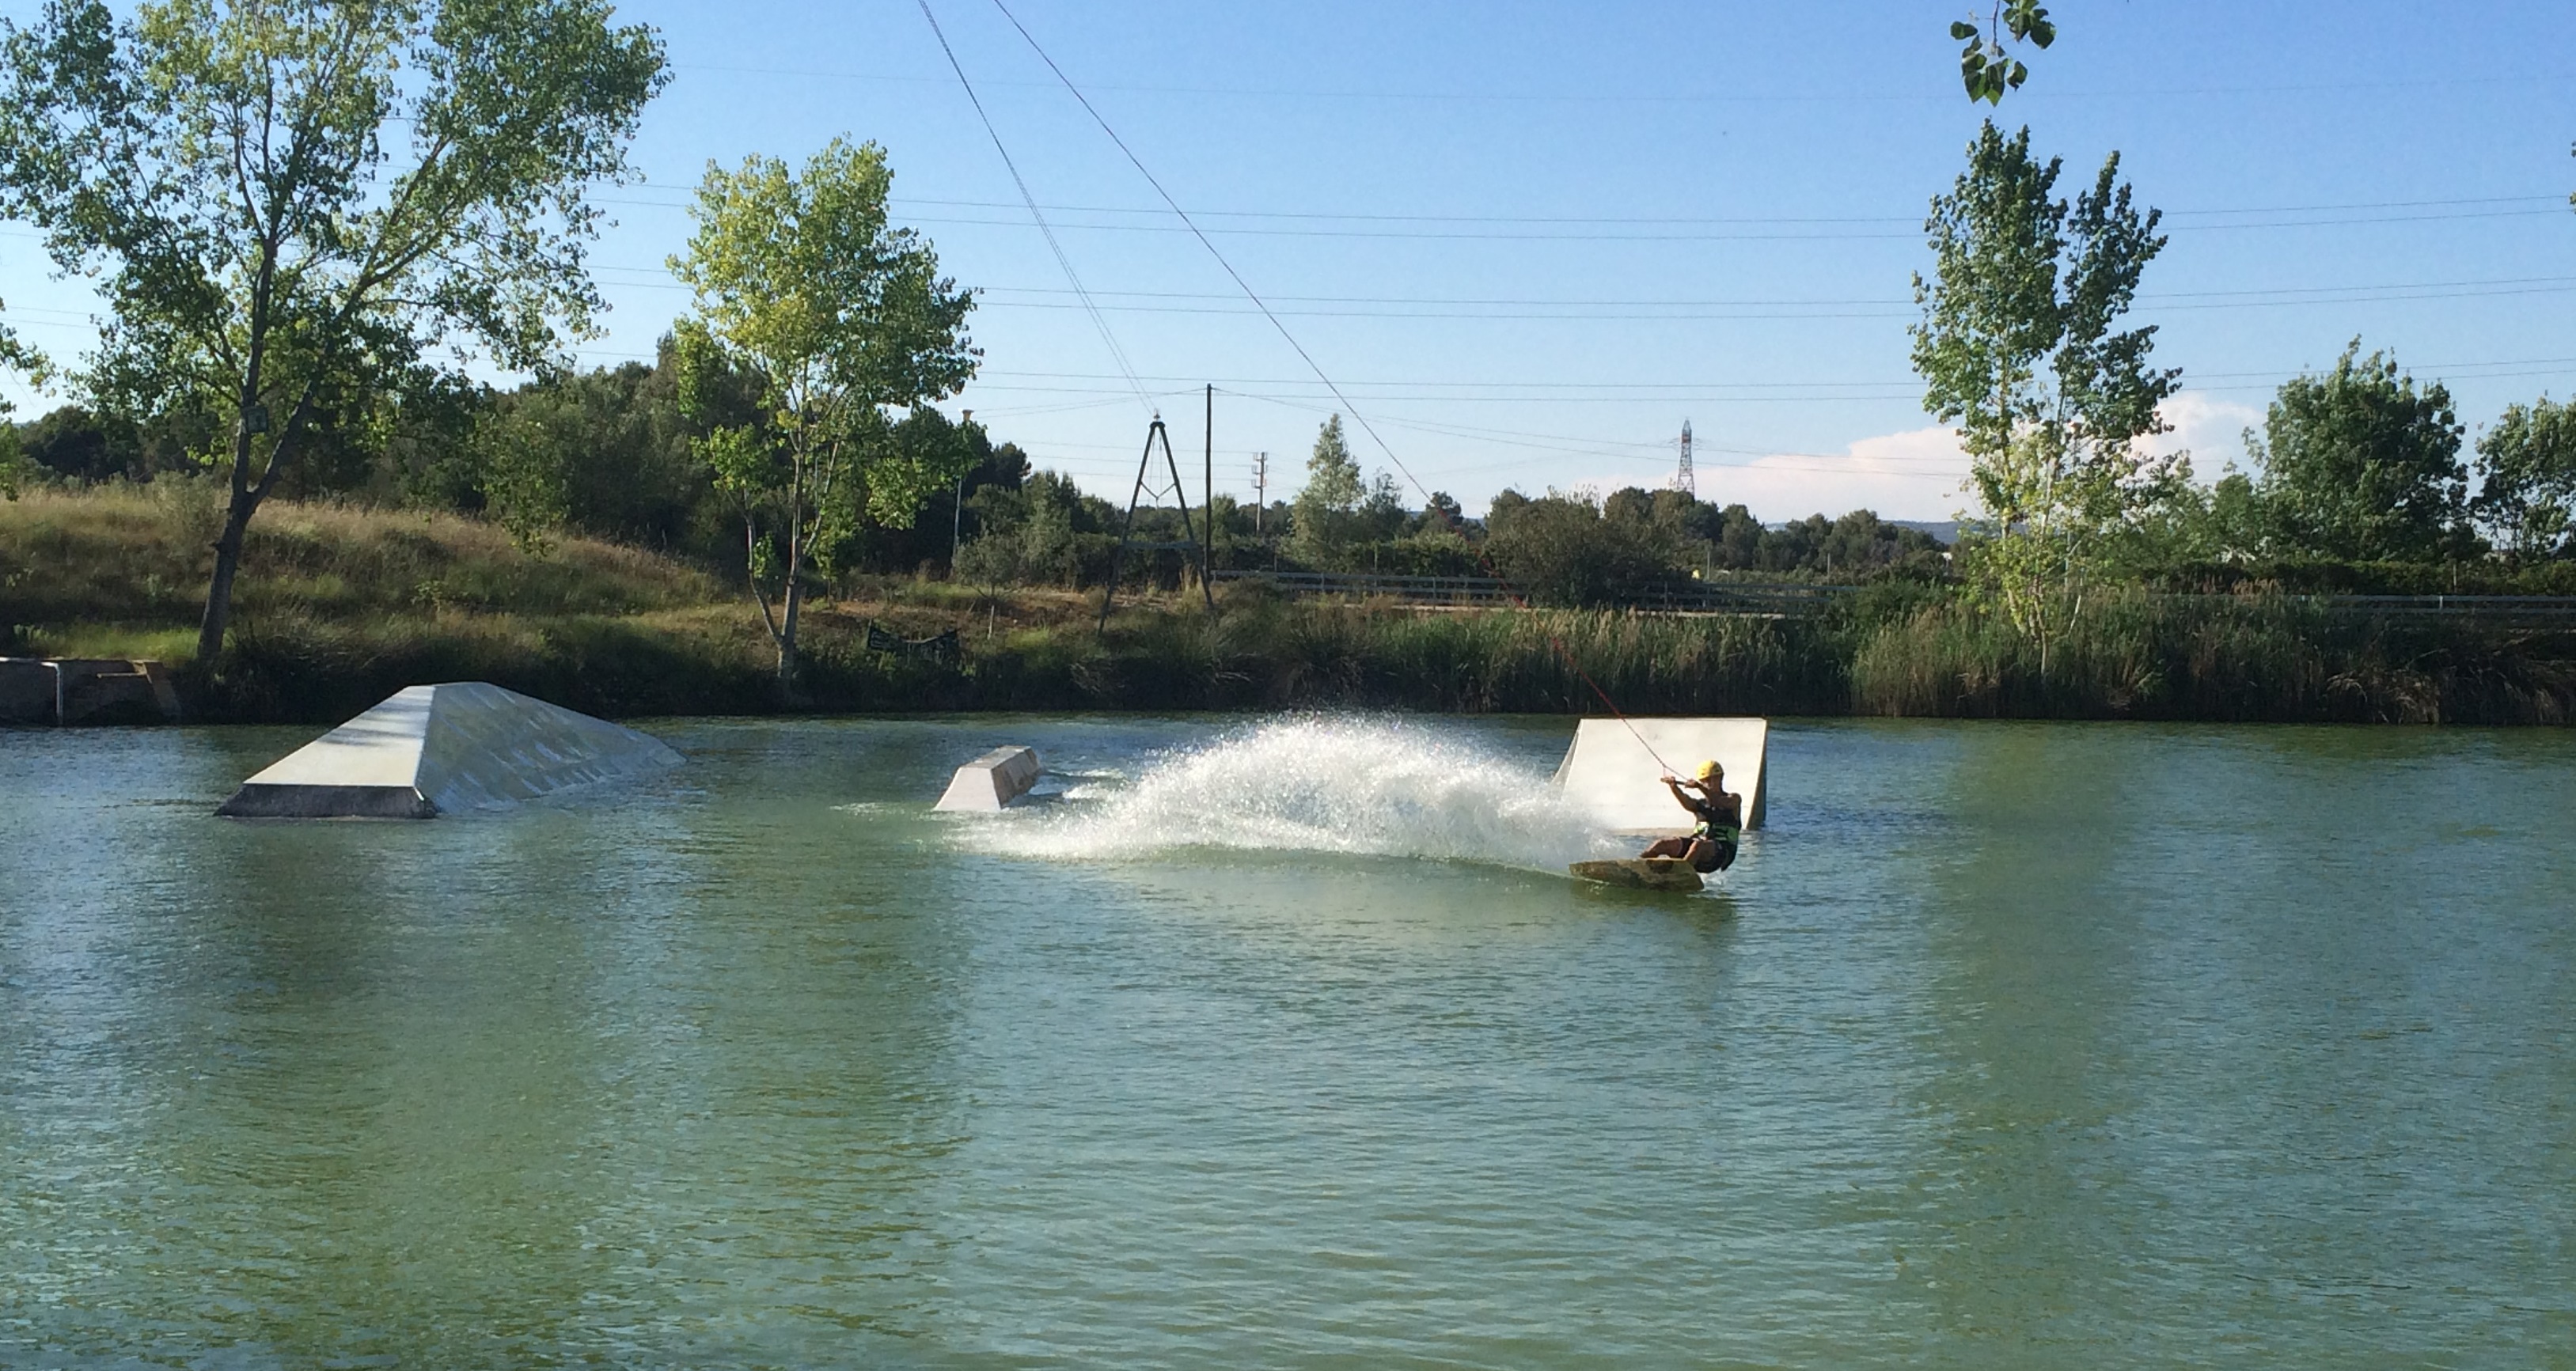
(1207, 490)
(1684, 479)
(957, 506)
(1260, 489)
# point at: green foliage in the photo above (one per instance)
(602, 452)
(1328, 524)
(1986, 67)
(1028, 537)
(2192, 525)
(1855, 545)
(15, 356)
(2359, 464)
(351, 603)
(2527, 480)
(2019, 347)
(834, 317)
(1570, 551)
(2245, 657)
(290, 204)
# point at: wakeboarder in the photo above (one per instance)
(1710, 846)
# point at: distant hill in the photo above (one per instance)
(1943, 531)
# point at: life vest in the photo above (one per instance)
(1725, 828)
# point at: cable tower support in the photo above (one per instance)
(1156, 436)
(1684, 479)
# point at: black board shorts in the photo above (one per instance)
(1718, 855)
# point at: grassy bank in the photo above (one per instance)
(341, 606)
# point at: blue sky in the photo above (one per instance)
(1531, 239)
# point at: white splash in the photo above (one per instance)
(1361, 786)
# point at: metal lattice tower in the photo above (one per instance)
(1684, 480)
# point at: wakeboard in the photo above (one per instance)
(1641, 873)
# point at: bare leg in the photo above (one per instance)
(1668, 847)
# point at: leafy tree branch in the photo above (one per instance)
(1986, 66)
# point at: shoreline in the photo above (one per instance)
(341, 606)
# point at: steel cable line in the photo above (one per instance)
(1512, 236)
(1557, 641)
(2550, 203)
(1100, 321)
(1594, 97)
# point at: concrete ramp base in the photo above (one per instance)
(992, 780)
(446, 749)
(1611, 769)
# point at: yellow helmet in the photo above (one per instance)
(1710, 771)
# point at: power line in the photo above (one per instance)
(1255, 297)
(1116, 353)
(2551, 203)
(1949, 96)
(1710, 236)
(1192, 225)
(1652, 311)
(1760, 301)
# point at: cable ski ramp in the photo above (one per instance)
(1614, 769)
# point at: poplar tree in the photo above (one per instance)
(2019, 347)
(1328, 507)
(829, 318)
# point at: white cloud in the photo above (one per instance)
(1918, 473)
(1915, 474)
(2213, 431)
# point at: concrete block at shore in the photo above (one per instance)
(992, 780)
(446, 749)
(85, 690)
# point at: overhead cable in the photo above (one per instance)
(1117, 354)
(1563, 652)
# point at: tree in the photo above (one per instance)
(603, 451)
(1565, 550)
(1028, 536)
(14, 356)
(2018, 347)
(2360, 464)
(837, 318)
(1986, 66)
(1441, 513)
(230, 168)
(1326, 518)
(2527, 480)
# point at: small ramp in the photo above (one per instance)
(991, 781)
(1611, 769)
(442, 749)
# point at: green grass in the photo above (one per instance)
(2243, 658)
(141, 555)
(339, 606)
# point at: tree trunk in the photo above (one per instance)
(794, 597)
(219, 594)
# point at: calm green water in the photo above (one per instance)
(2004, 1046)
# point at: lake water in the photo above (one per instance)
(1277, 1044)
